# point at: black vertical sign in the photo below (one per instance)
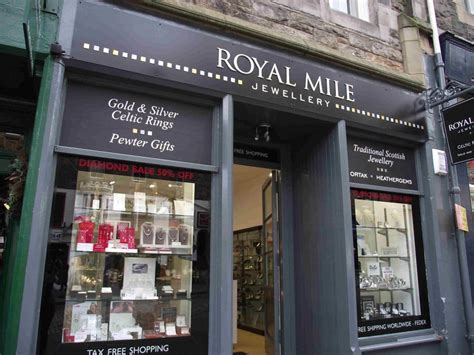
(381, 164)
(459, 128)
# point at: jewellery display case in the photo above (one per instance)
(388, 253)
(131, 251)
(249, 273)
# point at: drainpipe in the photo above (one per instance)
(455, 191)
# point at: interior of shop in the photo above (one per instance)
(18, 92)
(248, 259)
(285, 133)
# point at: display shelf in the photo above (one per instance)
(385, 289)
(154, 335)
(154, 214)
(401, 230)
(118, 298)
(403, 257)
(136, 252)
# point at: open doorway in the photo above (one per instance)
(254, 268)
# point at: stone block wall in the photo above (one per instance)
(452, 16)
(377, 41)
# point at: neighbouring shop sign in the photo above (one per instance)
(162, 50)
(122, 122)
(375, 163)
(459, 127)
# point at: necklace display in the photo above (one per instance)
(147, 233)
(173, 234)
(160, 236)
(183, 234)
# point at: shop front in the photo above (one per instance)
(139, 254)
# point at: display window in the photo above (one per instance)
(249, 273)
(470, 173)
(390, 271)
(127, 258)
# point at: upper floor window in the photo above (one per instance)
(356, 8)
(470, 6)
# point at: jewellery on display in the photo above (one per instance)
(160, 236)
(130, 237)
(85, 233)
(396, 282)
(147, 233)
(184, 231)
(384, 310)
(377, 282)
(106, 233)
(173, 234)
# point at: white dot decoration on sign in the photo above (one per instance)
(377, 116)
(161, 63)
(142, 132)
(215, 76)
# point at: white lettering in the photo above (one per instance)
(260, 67)
(249, 60)
(275, 72)
(350, 93)
(221, 59)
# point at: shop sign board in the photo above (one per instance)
(459, 128)
(255, 152)
(381, 164)
(160, 50)
(116, 121)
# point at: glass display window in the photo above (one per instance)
(390, 272)
(129, 260)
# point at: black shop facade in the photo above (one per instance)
(139, 256)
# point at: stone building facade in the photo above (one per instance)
(386, 40)
(389, 45)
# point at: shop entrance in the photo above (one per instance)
(256, 261)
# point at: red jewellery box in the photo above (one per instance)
(86, 232)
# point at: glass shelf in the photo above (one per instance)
(401, 230)
(137, 252)
(385, 289)
(164, 215)
(384, 257)
(118, 298)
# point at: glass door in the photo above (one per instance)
(271, 264)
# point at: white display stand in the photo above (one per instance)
(139, 279)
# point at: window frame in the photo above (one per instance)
(351, 8)
(368, 328)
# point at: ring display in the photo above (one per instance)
(387, 263)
